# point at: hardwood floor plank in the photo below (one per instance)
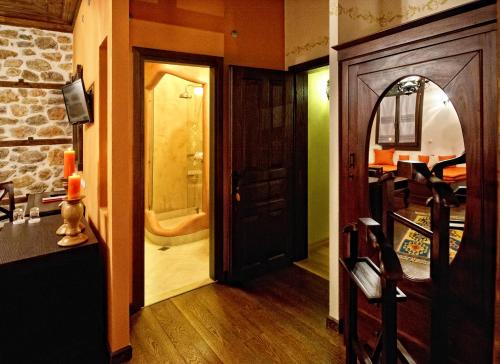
(268, 351)
(217, 332)
(298, 339)
(272, 325)
(148, 333)
(277, 318)
(181, 333)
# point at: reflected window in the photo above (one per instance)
(399, 117)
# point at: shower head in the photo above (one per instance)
(185, 94)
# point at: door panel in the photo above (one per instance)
(465, 77)
(262, 139)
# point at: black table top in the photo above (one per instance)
(30, 241)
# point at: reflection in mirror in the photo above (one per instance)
(415, 123)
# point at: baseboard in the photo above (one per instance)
(121, 355)
(334, 324)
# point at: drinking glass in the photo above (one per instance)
(18, 216)
(34, 215)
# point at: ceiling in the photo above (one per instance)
(45, 14)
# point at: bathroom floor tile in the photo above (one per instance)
(176, 270)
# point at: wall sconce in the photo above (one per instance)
(328, 89)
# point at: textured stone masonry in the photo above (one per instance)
(32, 169)
(36, 56)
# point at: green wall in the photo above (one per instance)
(318, 143)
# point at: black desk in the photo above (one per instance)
(52, 302)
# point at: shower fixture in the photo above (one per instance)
(187, 95)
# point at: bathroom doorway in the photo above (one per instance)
(176, 224)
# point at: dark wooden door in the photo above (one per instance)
(262, 170)
(464, 67)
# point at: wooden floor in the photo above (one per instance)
(277, 318)
(317, 261)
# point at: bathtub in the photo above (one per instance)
(176, 227)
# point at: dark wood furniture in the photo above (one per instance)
(52, 306)
(456, 51)
(418, 192)
(7, 189)
(46, 209)
(379, 286)
(401, 193)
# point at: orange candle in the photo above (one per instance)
(73, 186)
(69, 162)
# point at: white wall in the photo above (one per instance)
(334, 310)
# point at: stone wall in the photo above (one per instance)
(36, 56)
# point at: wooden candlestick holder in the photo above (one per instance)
(72, 213)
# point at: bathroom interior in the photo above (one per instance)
(177, 180)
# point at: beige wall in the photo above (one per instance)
(306, 30)
(110, 28)
(171, 175)
(177, 136)
(358, 18)
(170, 143)
(99, 23)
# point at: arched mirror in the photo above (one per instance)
(415, 123)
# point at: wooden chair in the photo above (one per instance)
(7, 188)
(379, 286)
(440, 203)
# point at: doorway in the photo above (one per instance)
(312, 165)
(177, 219)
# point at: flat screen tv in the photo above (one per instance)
(77, 102)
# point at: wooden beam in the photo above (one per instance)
(22, 84)
(68, 28)
(31, 141)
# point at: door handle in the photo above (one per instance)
(236, 185)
